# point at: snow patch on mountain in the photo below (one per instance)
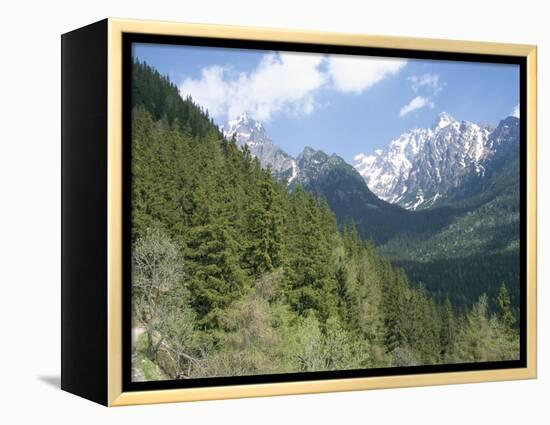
(422, 165)
(294, 172)
(252, 133)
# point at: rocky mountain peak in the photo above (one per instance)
(246, 130)
(422, 166)
(310, 155)
(251, 132)
(443, 120)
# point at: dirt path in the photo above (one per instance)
(137, 374)
(136, 332)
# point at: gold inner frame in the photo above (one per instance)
(116, 397)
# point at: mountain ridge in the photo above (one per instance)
(328, 176)
(349, 196)
(476, 225)
(423, 166)
(248, 131)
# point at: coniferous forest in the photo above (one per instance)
(234, 274)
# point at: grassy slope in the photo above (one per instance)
(149, 370)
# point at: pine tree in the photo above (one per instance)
(475, 341)
(310, 284)
(265, 250)
(216, 279)
(394, 306)
(505, 314)
(448, 331)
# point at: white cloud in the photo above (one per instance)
(515, 112)
(426, 81)
(427, 87)
(210, 91)
(416, 103)
(354, 74)
(285, 81)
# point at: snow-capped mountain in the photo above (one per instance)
(309, 165)
(250, 132)
(504, 140)
(423, 166)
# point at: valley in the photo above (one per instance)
(248, 261)
(465, 174)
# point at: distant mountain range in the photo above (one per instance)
(420, 170)
(309, 166)
(329, 176)
(429, 166)
(423, 168)
(440, 199)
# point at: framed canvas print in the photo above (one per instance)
(251, 212)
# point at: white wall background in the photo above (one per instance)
(30, 211)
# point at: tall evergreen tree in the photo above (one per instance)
(505, 314)
(448, 331)
(265, 249)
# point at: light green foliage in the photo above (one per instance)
(156, 277)
(483, 337)
(447, 339)
(181, 341)
(146, 368)
(505, 315)
(308, 344)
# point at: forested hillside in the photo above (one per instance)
(477, 251)
(458, 249)
(232, 274)
(464, 239)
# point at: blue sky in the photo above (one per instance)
(340, 104)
